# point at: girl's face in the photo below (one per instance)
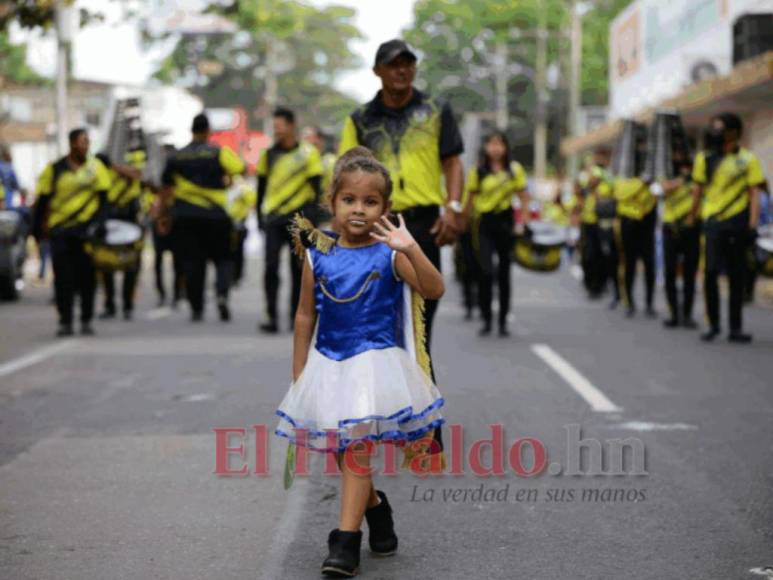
(358, 204)
(495, 149)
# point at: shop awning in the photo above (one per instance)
(747, 89)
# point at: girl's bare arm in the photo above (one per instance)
(305, 318)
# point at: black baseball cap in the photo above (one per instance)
(391, 49)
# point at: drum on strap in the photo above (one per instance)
(764, 251)
(120, 249)
(540, 251)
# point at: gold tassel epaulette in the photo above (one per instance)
(422, 453)
(305, 235)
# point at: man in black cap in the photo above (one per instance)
(417, 138)
(197, 177)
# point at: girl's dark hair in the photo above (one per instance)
(357, 159)
(484, 163)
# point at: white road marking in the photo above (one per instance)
(287, 530)
(593, 396)
(646, 426)
(34, 357)
(767, 571)
(158, 313)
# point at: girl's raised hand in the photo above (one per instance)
(396, 237)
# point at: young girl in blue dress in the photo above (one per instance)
(355, 369)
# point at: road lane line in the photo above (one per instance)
(287, 530)
(593, 396)
(34, 357)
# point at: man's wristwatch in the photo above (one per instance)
(455, 206)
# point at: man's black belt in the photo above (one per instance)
(418, 212)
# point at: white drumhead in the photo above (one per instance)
(120, 233)
(547, 233)
(765, 244)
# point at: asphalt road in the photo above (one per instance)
(107, 449)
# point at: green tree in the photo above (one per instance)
(459, 39)
(13, 62)
(308, 48)
(595, 49)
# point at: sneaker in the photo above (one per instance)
(485, 330)
(64, 330)
(127, 315)
(503, 331)
(671, 323)
(197, 316)
(613, 305)
(381, 527)
(343, 560)
(225, 313)
(268, 328)
(739, 337)
(87, 329)
(108, 314)
(689, 323)
(710, 335)
(651, 312)
(630, 312)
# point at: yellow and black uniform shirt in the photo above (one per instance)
(678, 204)
(199, 174)
(634, 198)
(555, 213)
(74, 194)
(494, 193)
(288, 177)
(240, 205)
(411, 142)
(604, 190)
(125, 196)
(726, 195)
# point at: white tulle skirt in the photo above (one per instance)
(377, 395)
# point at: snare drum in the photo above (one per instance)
(120, 249)
(540, 252)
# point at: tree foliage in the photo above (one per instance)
(38, 13)
(458, 41)
(13, 62)
(308, 48)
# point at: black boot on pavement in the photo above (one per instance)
(381, 527)
(343, 561)
(739, 337)
(64, 330)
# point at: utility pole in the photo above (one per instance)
(64, 33)
(540, 127)
(575, 83)
(272, 87)
(501, 75)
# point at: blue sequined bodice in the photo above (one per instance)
(359, 300)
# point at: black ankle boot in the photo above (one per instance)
(381, 528)
(343, 561)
